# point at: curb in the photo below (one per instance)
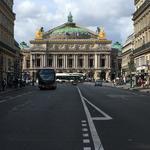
(135, 90)
(12, 90)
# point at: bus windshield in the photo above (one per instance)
(47, 74)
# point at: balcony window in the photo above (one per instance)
(38, 62)
(28, 63)
(50, 62)
(59, 63)
(80, 63)
(91, 63)
(70, 63)
(102, 62)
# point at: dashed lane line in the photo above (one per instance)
(85, 141)
(87, 148)
(84, 125)
(83, 121)
(97, 142)
(86, 135)
(85, 129)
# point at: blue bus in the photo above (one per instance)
(47, 78)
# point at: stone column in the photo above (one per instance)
(96, 62)
(84, 63)
(66, 61)
(24, 62)
(44, 60)
(74, 61)
(56, 61)
(31, 65)
(107, 61)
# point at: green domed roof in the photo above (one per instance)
(70, 30)
(117, 45)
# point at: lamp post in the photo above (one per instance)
(33, 74)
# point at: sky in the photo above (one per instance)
(114, 15)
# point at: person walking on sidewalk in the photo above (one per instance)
(3, 84)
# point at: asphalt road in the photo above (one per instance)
(82, 117)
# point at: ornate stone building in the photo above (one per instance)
(9, 49)
(127, 54)
(69, 48)
(141, 52)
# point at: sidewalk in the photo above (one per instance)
(140, 89)
(7, 90)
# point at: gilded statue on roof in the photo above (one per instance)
(39, 34)
(101, 33)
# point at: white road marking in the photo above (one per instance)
(97, 142)
(83, 121)
(86, 135)
(10, 98)
(87, 148)
(85, 141)
(100, 118)
(16, 108)
(106, 117)
(3, 101)
(84, 125)
(84, 129)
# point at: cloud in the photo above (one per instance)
(114, 16)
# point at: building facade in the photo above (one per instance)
(141, 52)
(69, 48)
(116, 60)
(9, 49)
(127, 54)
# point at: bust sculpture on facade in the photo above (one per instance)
(39, 34)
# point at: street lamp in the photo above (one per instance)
(33, 62)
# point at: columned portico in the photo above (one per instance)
(72, 52)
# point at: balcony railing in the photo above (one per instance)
(143, 47)
(3, 45)
(141, 9)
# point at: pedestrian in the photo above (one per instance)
(124, 79)
(114, 82)
(3, 84)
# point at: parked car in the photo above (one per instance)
(98, 83)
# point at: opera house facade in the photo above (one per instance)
(69, 48)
